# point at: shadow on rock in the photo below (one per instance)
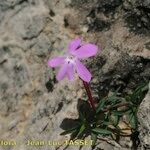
(85, 113)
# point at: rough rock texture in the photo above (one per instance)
(33, 104)
(144, 119)
(138, 16)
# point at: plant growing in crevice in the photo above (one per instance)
(105, 117)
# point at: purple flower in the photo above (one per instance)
(71, 62)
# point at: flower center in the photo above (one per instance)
(70, 59)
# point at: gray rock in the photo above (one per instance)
(14, 70)
(42, 46)
(29, 25)
(144, 120)
(4, 5)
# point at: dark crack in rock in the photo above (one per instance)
(100, 14)
(127, 73)
(98, 25)
(109, 6)
(83, 3)
(137, 16)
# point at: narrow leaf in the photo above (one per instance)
(133, 120)
(102, 131)
(101, 105)
(82, 128)
(114, 119)
(69, 131)
(93, 138)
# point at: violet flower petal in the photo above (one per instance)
(70, 72)
(56, 61)
(62, 72)
(83, 72)
(86, 50)
(74, 45)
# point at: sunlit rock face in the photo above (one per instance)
(33, 104)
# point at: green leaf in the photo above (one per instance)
(128, 98)
(145, 87)
(93, 138)
(120, 112)
(114, 99)
(81, 130)
(106, 123)
(133, 117)
(69, 131)
(138, 93)
(114, 119)
(102, 131)
(135, 96)
(74, 134)
(101, 105)
(133, 121)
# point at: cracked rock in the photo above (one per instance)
(144, 120)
